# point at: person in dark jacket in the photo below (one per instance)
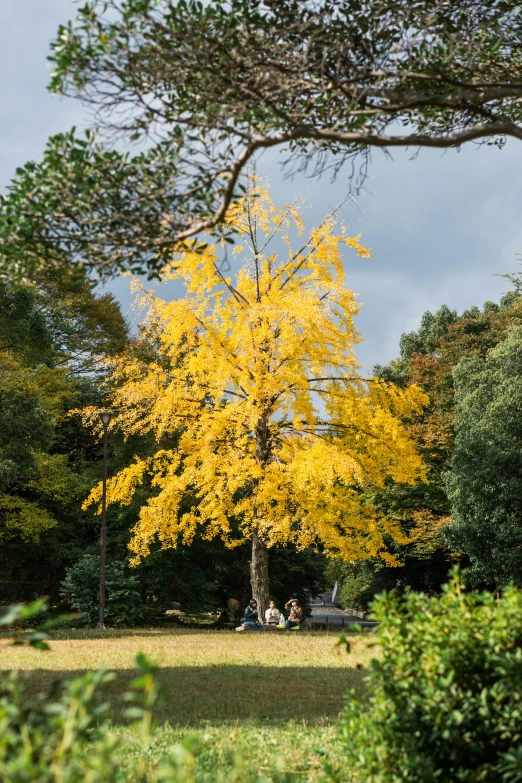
(251, 618)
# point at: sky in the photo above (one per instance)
(443, 228)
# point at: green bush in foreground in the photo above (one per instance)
(445, 698)
(45, 740)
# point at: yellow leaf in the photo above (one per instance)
(255, 381)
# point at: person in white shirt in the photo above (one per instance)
(272, 614)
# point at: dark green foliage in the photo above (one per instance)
(83, 324)
(360, 583)
(446, 691)
(23, 328)
(484, 482)
(197, 577)
(77, 179)
(50, 333)
(60, 483)
(297, 574)
(204, 575)
(58, 320)
(123, 602)
(25, 427)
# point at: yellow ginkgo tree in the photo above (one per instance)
(278, 437)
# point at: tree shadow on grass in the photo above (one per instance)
(227, 693)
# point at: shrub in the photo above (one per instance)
(445, 699)
(123, 603)
(45, 739)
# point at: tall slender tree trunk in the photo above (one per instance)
(259, 575)
(259, 562)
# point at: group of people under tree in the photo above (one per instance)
(273, 617)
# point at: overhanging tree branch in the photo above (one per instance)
(209, 86)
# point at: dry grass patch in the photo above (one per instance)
(211, 675)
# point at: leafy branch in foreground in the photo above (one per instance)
(209, 85)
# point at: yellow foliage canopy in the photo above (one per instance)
(279, 435)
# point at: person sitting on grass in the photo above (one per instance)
(251, 619)
(296, 614)
(272, 614)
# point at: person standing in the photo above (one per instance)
(296, 614)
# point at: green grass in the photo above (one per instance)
(281, 752)
(262, 696)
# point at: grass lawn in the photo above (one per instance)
(264, 695)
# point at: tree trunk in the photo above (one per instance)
(259, 575)
(259, 562)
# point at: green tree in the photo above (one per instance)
(60, 321)
(23, 328)
(485, 481)
(209, 85)
(80, 587)
(83, 324)
(52, 333)
(25, 426)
